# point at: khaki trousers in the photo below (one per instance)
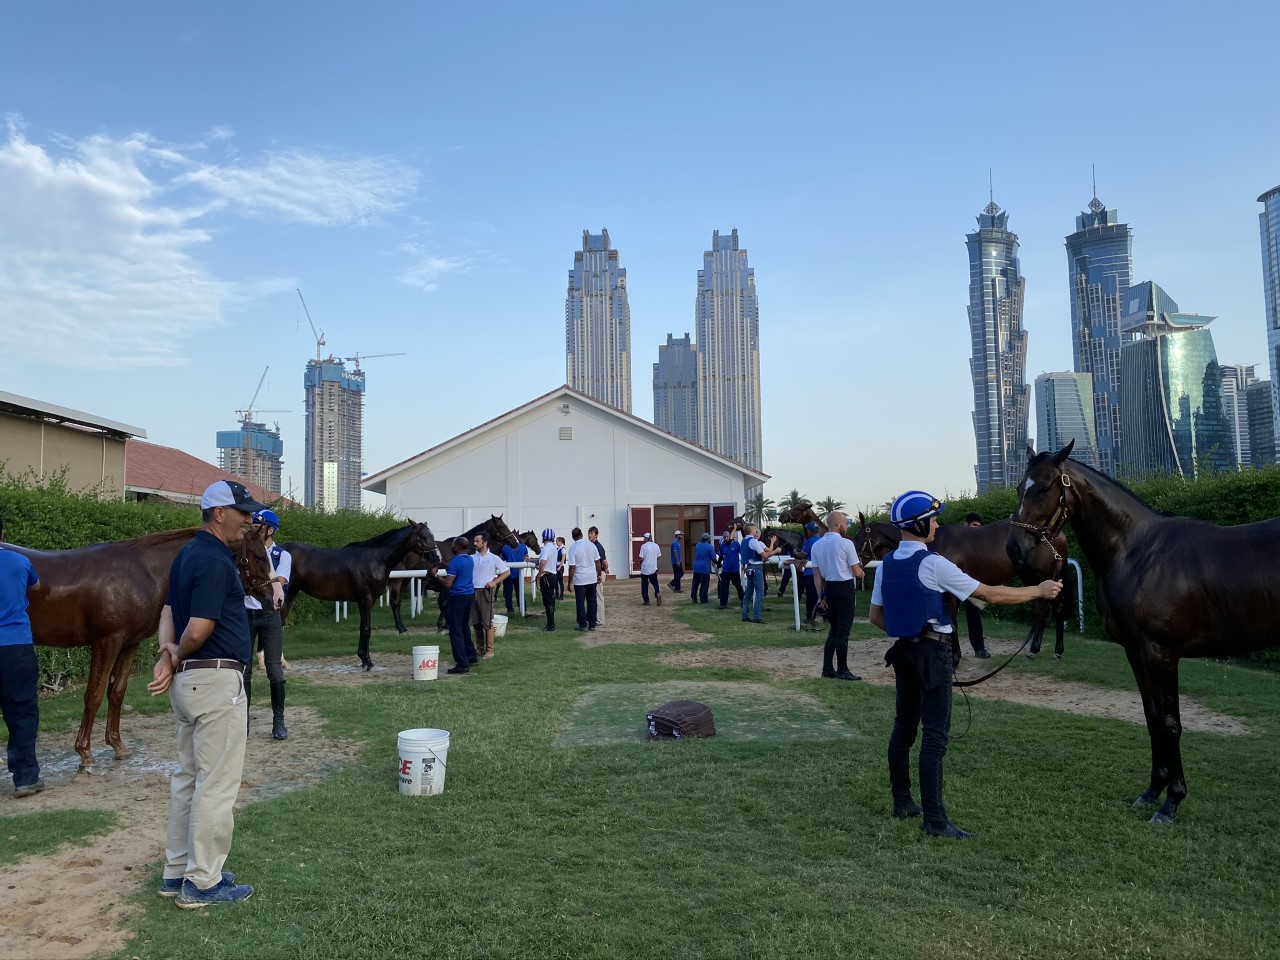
(212, 713)
(600, 604)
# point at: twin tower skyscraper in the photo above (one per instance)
(706, 391)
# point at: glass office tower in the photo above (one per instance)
(675, 388)
(1100, 269)
(1064, 412)
(597, 324)
(1173, 419)
(1236, 379)
(998, 364)
(1269, 226)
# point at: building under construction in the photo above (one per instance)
(335, 432)
(252, 452)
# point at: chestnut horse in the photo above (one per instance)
(357, 572)
(498, 532)
(980, 552)
(1167, 588)
(108, 596)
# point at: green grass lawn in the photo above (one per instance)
(562, 834)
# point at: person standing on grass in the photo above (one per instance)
(593, 534)
(730, 565)
(584, 575)
(836, 569)
(703, 554)
(906, 603)
(459, 580)
(677, 561)
(266, 632)
(813, 532)
(972, 612)
(562, 566)
(517, 554)
(754, 554)
(548, 560)
(19, 670)
(205, 649)
(649, 554)
(488, 570)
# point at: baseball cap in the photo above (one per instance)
(812, 525)
(648, 536)
(228, 493)
(679, 533)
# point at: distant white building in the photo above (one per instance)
(565, 460)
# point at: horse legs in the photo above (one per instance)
(115, 698)
(366, 630)
(1038, 621)
(1059, 611)
(1156, 671)
(100, 660)
(397, 595)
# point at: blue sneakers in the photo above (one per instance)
(171, 888)
(191, 896)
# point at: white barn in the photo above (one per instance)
(565, 460)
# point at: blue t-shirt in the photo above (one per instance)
(730, 556)
(461, 568)
(17, 576)
(702, 556)
(204, 583)
(807, 550)
(676, 555)
(512, 554)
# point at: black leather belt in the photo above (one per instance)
(930, 635)
(219, 664)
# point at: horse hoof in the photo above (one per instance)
(1161, 819)
(91, 769)
(1145, 800)
(367, 665)
(402, 630)
(1057, 656)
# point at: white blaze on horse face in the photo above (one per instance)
(1028, 485)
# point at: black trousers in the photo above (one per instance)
(698, 590)
(267, 635)
(973, 617)
(923, 669)
(677, 574)
(732, 577)
(458, 614)
(647, 580)
(547, 588)
(584, 595)
(509, 586)
(840, 604)
(810, 596)
(20, 704)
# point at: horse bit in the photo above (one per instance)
(1047, 532)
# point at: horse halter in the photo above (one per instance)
(865, 553)
(1047, 532)
(246, 578)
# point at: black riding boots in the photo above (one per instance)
(278, 731)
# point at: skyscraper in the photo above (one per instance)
(1236, 378)
(1001, 397)
(1173, 421)
(334, 435)
(1100, 269)
(1269, 226)
(727, 322)
(675, 388)
(252, 452)
(597, 324)
(1262, 430)
(1064, 412)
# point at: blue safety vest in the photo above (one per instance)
(908, 604)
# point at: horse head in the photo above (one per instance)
(531, 541)
(254, 567)
(874, 541)
(499, 532)
(800, 513)
(423, 542)
(1044, 503)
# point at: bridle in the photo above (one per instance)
(865, 553)
(1048, 532)
(246, 579)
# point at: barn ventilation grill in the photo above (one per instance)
(566, 433)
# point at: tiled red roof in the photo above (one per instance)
(151, 468)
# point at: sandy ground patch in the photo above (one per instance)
(628, 621)
(866, 658)
(72, 902)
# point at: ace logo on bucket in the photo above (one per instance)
(428, 664)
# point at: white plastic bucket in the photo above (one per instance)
(499, 625)
(426, 663)
(423, 755)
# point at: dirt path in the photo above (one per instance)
(72, 903)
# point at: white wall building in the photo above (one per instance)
(565, 460)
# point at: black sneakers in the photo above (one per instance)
(903, 810)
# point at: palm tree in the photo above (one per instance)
(828, 504)
(793, 499)
(760, 508)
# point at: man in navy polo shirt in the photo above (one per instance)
(19, 671)
(204, 653)
(459, 580)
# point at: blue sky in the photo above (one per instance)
(423, 172)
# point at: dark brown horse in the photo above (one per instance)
(108, 596)
(980, 552)
(1167, 588)
(357, 572)
(801, 514)
(497, 531)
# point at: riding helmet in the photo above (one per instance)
(548, 534)
(267, 517)
(912, 511)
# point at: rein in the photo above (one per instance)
(988, 676)
(1046, 533)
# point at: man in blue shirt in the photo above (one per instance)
(677, 562)
(517, 554)
(19, 670)
(703, 554)
(730, 567)
(205, 650)
(458, 579)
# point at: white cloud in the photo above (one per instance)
(427, 268)
(101, 266)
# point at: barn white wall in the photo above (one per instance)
(525, 472)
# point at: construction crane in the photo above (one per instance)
(319, 335)
(246, 418)
(246, 414)
(368, 356)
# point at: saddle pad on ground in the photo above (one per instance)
(681, 719)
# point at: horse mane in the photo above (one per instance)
(166, 536)
(381, 540)
(1094, 474)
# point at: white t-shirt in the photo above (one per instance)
(285, 568)
(583, 557)
(936, 572)
(834, 556)
(485, 567)
(649, 554)
(548, 557)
